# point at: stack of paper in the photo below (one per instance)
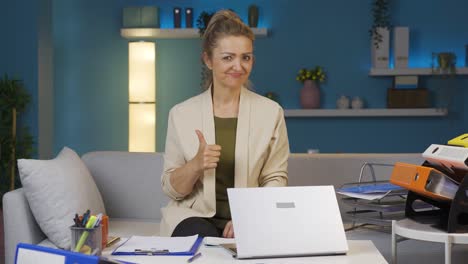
(369, 191)
(154, 245)
(442, 185)
(217, 241)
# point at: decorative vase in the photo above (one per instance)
(400, 47)
(380, 50)
(357, 103)
(310, 95)
(188, 17)
(177, 16)
(342, 102)
(253, 16)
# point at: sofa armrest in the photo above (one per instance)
(19, 223)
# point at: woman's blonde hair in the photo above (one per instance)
(223, 23)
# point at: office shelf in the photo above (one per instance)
(412, 71)
(370, 112)
(172, 33)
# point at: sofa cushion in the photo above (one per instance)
(129, 182)
(57, 189)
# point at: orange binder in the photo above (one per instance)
(424, 180)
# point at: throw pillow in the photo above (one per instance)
(57, 189)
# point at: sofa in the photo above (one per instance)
(129, 184)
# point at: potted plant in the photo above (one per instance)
(445, 63)
(381, 20)
(380, 33)
(310, 92)
(315, 74)
(15, 142)
(203, 20)
(13, 145)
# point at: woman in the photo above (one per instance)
(225, 137)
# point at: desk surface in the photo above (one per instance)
(360, 252)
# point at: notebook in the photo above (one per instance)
(286, 222)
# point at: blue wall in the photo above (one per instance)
(90, 76)
(18, 53)
(90, 60)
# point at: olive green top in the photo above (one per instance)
(225, 131)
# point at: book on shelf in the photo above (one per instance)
(405, 82)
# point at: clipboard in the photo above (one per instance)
(191, 252)
(424, 180)
(29, 254)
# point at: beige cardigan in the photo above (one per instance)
(261, 154)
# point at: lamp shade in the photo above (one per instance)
(142, 95)
(142, 127)
(142, 71)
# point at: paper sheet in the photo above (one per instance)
(365, 196)
(216, 241)
(28, 256)
(152, 243)
(372, 188)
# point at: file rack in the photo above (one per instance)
(447, 223)
(379, 212)
(450, 216)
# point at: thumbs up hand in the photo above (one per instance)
(208, 155)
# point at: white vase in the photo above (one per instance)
(380, 53)
(342, 102)
(400, 47)
(357, 103)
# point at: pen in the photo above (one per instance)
(194, 257)
(77, 221)
(150, 252)
(85, 219)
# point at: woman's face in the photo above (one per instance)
(231, 61)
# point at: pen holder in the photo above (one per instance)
(86, 240)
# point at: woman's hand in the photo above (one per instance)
(228, 230)
(184, 178)
(208, 155)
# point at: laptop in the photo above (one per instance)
(286, 222)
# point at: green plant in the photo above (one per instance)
(446, 62)
(203, 20)
(381, 19)
(314, 74)
(15, 142)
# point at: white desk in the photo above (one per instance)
(360, 252)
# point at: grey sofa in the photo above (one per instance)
(130, 186)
